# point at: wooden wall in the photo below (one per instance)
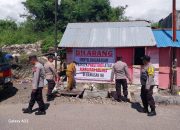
(127, 54)
(164, 69)
(160, 57)
(178, 67)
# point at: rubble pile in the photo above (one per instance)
(96, 100)
(22, 71)
(19, 49)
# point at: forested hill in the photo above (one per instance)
(40, 19)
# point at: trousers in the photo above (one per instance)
(147, 97)
(36, 96)
(123, 83)
(70, 83)
(51, 85)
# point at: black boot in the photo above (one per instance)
(40, 113)
(27, 110)
(143, 110)
(126, 99)
(152, 113)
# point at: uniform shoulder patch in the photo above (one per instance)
(150, 70)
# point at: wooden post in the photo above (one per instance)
(173, 54)
(174, 20)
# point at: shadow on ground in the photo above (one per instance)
(7, 93)
(46, 107)
(137, 106)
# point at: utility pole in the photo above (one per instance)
(174, 20)
(57, 3)
(173, 54)
(55, 35)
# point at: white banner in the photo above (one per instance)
(94, 64)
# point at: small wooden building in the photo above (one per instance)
(95, 46)
(165, 46)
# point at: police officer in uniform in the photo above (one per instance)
(147, 82)
(51, 76)
(121, 72)
(37, 87)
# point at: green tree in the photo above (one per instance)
(41, 12)
(40, 20)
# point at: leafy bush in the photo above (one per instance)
(49, 42)
(19, 36)
(25, 34)
(7, 24)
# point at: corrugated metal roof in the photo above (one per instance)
(164, 38)
(109, 24)
(108, 34)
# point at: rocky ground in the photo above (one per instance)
(20, 93)
(23, 48)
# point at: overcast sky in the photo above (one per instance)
(152, 10)
(11, 9)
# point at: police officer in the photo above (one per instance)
(51, 76)
(120, 70)
(37, 87)
(147, 81)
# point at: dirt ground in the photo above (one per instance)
(20, 94)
